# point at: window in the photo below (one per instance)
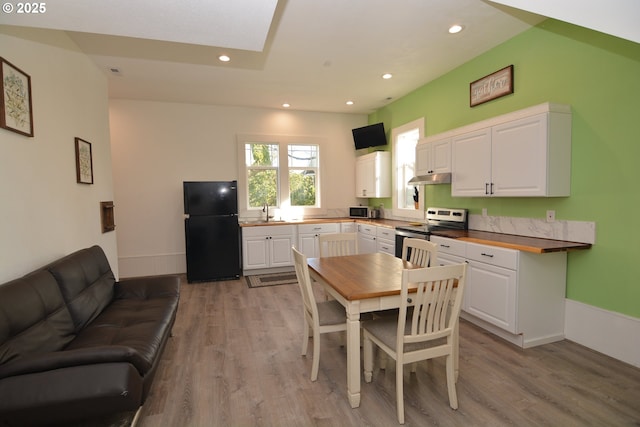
(303, 173)
(281, 171)
(404, 140)
(262, 174)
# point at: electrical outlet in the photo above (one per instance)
(551, 216)
(484, 212)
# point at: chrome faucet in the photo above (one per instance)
(265, 208)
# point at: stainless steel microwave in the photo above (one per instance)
(359, 212)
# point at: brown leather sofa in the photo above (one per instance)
(77, 344)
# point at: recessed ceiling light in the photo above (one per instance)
(454, 29)
(349, 102)
(224, 58)
(387, 76)
(285, 105)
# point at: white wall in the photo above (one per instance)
(44, 213)
(158, 145)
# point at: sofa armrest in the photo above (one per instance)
(77, 357)
(148, 287)
(66, 395)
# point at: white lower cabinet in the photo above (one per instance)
(386, 240)
(367, 239)
(308, 234)
(348, 227)
(267, 246)
(515, 294)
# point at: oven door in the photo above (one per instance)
(403, 234)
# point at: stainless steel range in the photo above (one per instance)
(436, 219)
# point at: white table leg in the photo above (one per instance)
(353, 353)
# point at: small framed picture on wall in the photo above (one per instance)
(16, 113)
(84, 162)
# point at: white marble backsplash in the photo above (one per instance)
(572, 231)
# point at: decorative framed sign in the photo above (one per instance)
(495, 85)
(16, 113)
(84, 162)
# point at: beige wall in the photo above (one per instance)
(44, 213)
(158, 145)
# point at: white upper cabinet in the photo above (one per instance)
(373, 175)
(433, 155)
(522, 154)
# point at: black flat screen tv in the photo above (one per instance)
(369, 136)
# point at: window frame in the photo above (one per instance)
(286, 211)
(395, 132)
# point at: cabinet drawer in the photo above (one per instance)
(318, 228)
(450, 246)
(370, 230)
(507, 258)
(268, 230)
(386, 233)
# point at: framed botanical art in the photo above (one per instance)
(84, 162)
(16, 113)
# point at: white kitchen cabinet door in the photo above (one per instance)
(308, 242)
(471, 164)
(255, 252)
(441, 157)
(433, 155)
(373, 175)
(491, 296)
(530, 159)
(519, 157)
(367, 239)
(423, 158)
(280, 250)
(522, 154)
(267, 246)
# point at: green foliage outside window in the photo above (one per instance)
(302, 188)
(262, 160)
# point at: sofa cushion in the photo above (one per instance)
(86, 282)
(141, 325)
(33, 317)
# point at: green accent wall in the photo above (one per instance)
(599, 76)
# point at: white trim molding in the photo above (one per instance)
(607, 332)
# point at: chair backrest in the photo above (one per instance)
(304, 282)
(420, 252)
(433, 316)
(338, 244)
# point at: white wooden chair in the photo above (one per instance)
(322, 317)
(338, 244)
(426, 332)
(419, 251)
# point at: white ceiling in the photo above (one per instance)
(313, 54)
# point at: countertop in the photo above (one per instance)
(510, 241)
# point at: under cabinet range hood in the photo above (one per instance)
(430, 179)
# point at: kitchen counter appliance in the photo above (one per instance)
(436, 219)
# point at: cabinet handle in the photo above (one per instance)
(491, 188)
(444, 246)
(487, 255)
(486, 188)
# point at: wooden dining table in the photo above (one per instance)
(361, 283)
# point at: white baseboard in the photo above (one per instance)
(152, 265)
(606, 332)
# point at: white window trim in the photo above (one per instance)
(405, 213)
(284, 211)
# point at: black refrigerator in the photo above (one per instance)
(212, 233)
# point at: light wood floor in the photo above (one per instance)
(235, 360)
